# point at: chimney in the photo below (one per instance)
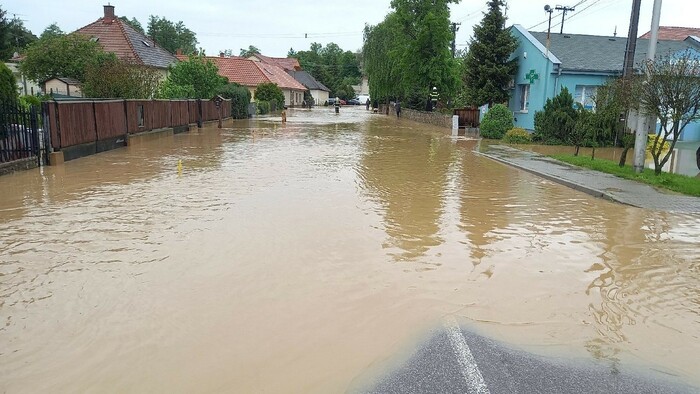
(109, 12)
(178, 51)
(221, 54)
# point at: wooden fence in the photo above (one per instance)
(79, 122)
(468, 117)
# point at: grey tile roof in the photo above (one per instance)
(580, 52)
(148, 51)
(307, 80)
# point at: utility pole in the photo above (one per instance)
(628, 67)
(548, 10)
(564, 9)
(455, 29)
(640, 142)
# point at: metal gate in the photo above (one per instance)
(21, 135)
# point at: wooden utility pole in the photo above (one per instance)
(564, 9)
(628, 68)
(455, 29)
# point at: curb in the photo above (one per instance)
(576, 186)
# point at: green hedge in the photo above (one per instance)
(240, 98)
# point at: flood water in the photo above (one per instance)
(298, 258)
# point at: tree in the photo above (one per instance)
(427, 60)
(382, 52)
(116, 78)
(671, 93)
(61, 56)
(52, 30)
(240, 98)
(8, 84)
(333, 67)
(17, 37)
(252, 50)
(487, 68)
(5, 51)
(555, 123)
(196, 77)
(134, 23)
(269, 92)
(172, 36)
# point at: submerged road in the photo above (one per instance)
(456, 360)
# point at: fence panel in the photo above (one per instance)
(76, 123)
(468, 117)
(19, 132)
(110, 119)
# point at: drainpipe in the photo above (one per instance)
(556, 80)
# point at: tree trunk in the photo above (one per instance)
(623, 156)
(593, 154)
(577, 148)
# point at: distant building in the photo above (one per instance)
(317, 90)
(578, 62)
(116, 36)
(250, 73)
(674, 33)
(25, 86)
(63, 86)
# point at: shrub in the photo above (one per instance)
(517, 136)
(268, 92)
(496, 122)
(240, 98)
(8, 84)
(650, 143)
(263, 107)
(555, 123)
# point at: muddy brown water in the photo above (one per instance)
(298, 258)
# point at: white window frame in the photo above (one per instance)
(524, 94)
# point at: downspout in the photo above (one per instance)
(556, 81)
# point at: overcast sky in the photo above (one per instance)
(275, 26)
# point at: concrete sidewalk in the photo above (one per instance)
(595, 183)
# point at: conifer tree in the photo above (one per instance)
(488, 69)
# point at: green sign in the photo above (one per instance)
(532, 76)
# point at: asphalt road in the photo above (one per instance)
(455, 360)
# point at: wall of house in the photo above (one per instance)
(320, 96)
(530, 57)
(57, 86)
(25, 86)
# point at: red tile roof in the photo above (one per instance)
(285, 63)
(121, 39)
(250, 73)
(674, 33)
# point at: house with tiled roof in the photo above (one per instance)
(250, 73)
(579, 62)
(674, 33)
(118, 37)
(317, 90)
(285, 63)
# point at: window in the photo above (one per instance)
(585, 94)
(139, 116)
(524, 94)
(145, 43)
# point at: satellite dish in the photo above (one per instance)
(547, 8)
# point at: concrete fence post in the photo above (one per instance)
(455, 125)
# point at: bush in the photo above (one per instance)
(650, 143)
(517, 136)
(496, 122)
(8, 84)
(263, 107)
(268, 92)
(555, 123)
(240, 98)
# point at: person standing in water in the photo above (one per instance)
(397, 106)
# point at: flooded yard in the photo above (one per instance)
(299, 257)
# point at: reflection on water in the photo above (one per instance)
(326, 245)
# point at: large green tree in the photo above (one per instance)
(61, 56)
(14, 36)
(332, 66)
(52, 30)
(116, 78)
(5, 51)
(488, 67)
(134, 23)
(408, 53)
(195, 78)
(172, 36)
(252, 50)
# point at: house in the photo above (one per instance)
(116, 36)
(317, 90)
(674, 33)
(250, 73)
(578, 62)
(25, 86)
(285, 63)
(63, 86)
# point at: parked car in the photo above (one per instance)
(354, 101)
(331, 101)
(363, 98)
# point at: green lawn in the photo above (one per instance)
(677, 183)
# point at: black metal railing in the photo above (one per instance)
(20, 135)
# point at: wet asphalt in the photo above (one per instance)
(493, 367)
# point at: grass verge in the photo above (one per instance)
(677, 183)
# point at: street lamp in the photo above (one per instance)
(434, 98)
(548, 10)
